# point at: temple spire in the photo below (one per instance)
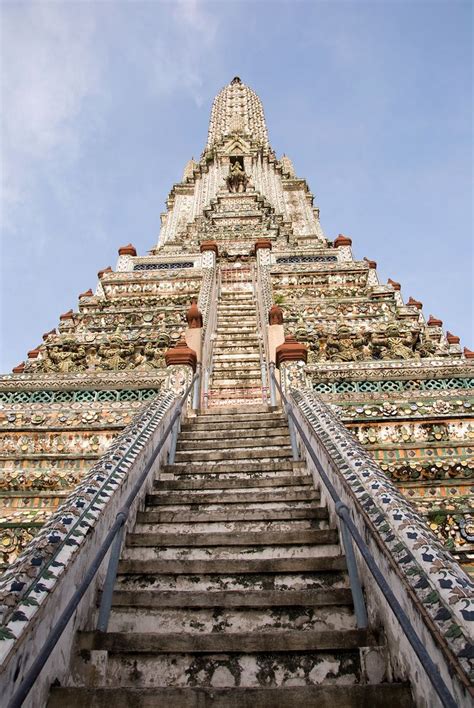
(237, 110)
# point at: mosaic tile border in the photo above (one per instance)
(78, 396)
(29, 580)
(393, 385)
(442, 588)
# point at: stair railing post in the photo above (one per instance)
(112, 568)
(294, 442)
(197, 382)
(272, 384)
(356, 587)
(174, 440)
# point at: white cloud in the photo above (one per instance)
(49, 70)
(183, 59)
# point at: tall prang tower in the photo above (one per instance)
(242, 238)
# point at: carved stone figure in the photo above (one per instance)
(345, 345)
(394, 344)
(115, 354)
(237, 179)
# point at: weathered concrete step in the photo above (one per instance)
(220, 511)
(191, 433)
(231, 553)
(242, 483)
(235, 525)
(235, 384)
(233, 539)
(241, 414)
(232, 345)
(287, 494)
(235, 453)
(229, 467)
(248, 642)
(245, 583)
(231, 338)
(233, 598)
(232, 443)
(231, 620)
(206, 428)
(249, 565)
(248, 411)
(230, 312)
(223, 382)
(389, 695)
(231, 331)
(236, 365)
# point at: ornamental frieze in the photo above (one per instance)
(53, 479)
(444, 405)
(151, 322)
(165, 302)
(38, 443)
(327, 280)
(57, 415)
(70, 386)
(13, 541)
(411, 431)
(423, 471)
(97, 353)
(188, 287)
(378, 370)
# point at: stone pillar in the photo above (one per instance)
(193, 335)
(209, 252)
(344, 243)
(125, 259)
(263, 248)
(275, 333)
(181, 362)
(291, 357)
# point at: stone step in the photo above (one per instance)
(231, 483)
(262, 412)
(191, 433)
(231, 328)
(239, 359)
(231, 510)
(269, 452)
(387, 695)
(246, 414)
(298, 510)
(232, 443)
(237, 525)
(202, 426)
(242, 642)
(328, 581)
(323, 536)
(229, 341)
(237, 369)
(223, 566)
(231, 553)
(233, 380)
(233, 598)
(287, 494)
(234, 468)
(197, 621)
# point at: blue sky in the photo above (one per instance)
(104, 102)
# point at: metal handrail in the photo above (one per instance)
(115, 537)
(264, 356)
(209, 335)
(349, 532)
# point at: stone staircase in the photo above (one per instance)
(232, 588)
(236, 369)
